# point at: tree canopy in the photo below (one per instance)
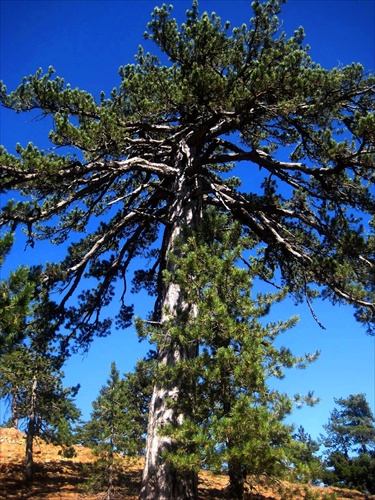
(147, 161)
(351, 429)
(350, 445)
(224, 97)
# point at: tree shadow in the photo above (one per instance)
(48, 478)
(58, 477)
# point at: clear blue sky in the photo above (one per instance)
(86, 42)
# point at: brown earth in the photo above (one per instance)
(58, 478)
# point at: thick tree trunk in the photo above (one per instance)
(29, 469)
(160, 480)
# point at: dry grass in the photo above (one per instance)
(58, 478)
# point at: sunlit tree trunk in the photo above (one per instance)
(29, 470)
(160, 480)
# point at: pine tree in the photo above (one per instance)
(156, 151)
(42, 402)
(235, 419)
(351, 429)
(119, 422)
(350, 443)
(306, 450)
(31, 361)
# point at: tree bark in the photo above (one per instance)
(110, 481)
(160, 480)
(110, 469)
(237, 478)
(14, 409)
(29, 469)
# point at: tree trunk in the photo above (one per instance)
(14, 409)
(160, 480)
(236, 471)
(110, 473)
(29, 469)
(110, 469)
(237, 478)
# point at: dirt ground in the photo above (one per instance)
(58, 478)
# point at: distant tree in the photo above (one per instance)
(30, 357)
(63, 419)
(235, 419)
(18, 293)
(351, 429)
(141, 164)
(118, 422)
(306, 451)
(42, 401)
(350, 443)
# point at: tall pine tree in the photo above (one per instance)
(156, 151)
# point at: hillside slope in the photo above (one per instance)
(58, 478)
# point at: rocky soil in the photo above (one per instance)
(58, 478)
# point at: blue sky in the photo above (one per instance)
(86, 42)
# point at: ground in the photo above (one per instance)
(58, 478)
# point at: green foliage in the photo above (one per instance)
(53, 404)
(232, 415)
(65, 438)
(329, 496)
(228, 96)
(31, 362)
(305, 450)
(16, 295)
(351, 472)
(350, 431)
(30, 353)
(311, 495)
(6, 242)
(118, 423)
(119, 417)
(154, 155)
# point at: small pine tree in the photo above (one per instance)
(42, 401)
(30, 361)
(16, 294)
(305, 452)
(118, 423)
